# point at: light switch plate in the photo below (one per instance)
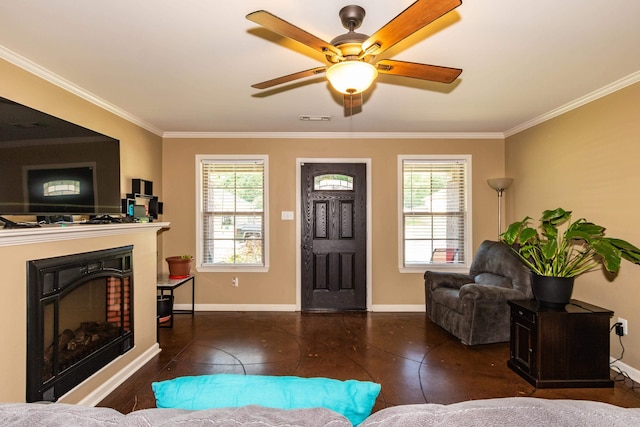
(287, 215)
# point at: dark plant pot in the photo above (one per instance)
(164, 305)
(550, 291)
(178, 267)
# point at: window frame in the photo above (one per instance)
(464, 267)
(200, 158)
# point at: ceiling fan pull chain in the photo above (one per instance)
(351, 115)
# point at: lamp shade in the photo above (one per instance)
(499, 184)
(351, 77)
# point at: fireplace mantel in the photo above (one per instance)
(54, 232)
(21, 245)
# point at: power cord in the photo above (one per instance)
(617, 326)
(621, 376)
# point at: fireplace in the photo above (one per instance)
(79, 318)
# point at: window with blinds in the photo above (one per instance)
(434, 211)
(232, 212)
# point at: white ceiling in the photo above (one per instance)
(186, 67)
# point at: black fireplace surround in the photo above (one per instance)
(79, 318)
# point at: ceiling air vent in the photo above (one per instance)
(309, 118)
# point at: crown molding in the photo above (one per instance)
(54, 79)
(335, 135)
(597, 94)
(47, 75)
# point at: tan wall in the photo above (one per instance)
(278, 286)
(141, 157)
(586, 161)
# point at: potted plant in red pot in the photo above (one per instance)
(179, 266)
(562, 250)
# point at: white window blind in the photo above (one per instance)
(232, 212)
(434, 211)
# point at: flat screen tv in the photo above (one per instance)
(51, 167)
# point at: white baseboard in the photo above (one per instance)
(413, 308)
(632, 372)
(410, 308)
(102, 391)
(237, 307)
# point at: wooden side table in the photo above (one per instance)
(554, 348)
(167, 284)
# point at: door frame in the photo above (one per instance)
(369, 278)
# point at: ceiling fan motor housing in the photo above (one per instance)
(351, 16)
(350, 43)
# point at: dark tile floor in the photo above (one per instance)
(414, 360)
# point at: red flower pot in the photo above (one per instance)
(179, 267)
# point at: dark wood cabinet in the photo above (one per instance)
(554, 348)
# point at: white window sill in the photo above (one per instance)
(462, 269)
(232, 269)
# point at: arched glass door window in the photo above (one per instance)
(333, 182)
(61, 187)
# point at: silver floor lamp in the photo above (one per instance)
(499, 184)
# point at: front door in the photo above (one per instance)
(334, 240)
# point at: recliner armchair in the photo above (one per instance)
(473, 306)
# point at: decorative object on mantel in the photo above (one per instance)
(578, 248)
(141, 204)
(179, 266)
(499, 184)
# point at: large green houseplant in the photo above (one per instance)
(564, 249)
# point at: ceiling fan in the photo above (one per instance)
(351, 56)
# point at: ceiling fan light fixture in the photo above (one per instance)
(351, 77)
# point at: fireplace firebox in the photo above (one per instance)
(79, 318)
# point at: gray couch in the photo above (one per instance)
(514, 411)
(473, 306)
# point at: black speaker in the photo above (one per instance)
(155, 207)
(141, 186)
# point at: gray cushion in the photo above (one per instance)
(512, 411)
(491, 279)
(57, 415)
(66, 415)
(251, 415)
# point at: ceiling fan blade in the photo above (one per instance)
(432, 73)
(413, 18)
(352, 104)
(289, 77)
(282, 27)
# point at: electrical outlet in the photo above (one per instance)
(625, 327)
(235, 282)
